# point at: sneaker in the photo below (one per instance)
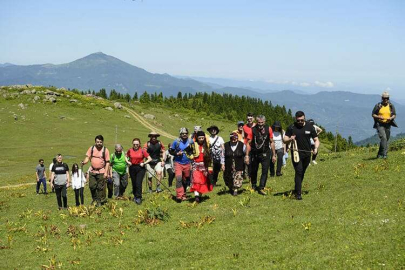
(179, 200)
(261, 192)
(197, 199)
(314, 162)
(384, 157)
(235, 192)
(298, 197)
(158, 189)
(138, 201)
(279, 174)
(150, 190)
(37, 193)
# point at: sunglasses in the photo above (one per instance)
(183, 133)
(300, 120)
(385, 98)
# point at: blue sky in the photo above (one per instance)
(332, 45)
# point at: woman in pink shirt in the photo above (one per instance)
(136, 161)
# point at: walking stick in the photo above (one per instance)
(153, 174)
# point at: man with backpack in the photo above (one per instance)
(99, 157)
(181, 163)
(155, 150)
(384, 117)
(216, 145)
(261, 147)
(118, 171)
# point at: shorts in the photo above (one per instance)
(154, 168)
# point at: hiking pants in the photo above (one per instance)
(170, 172)
(300, 168)
(264, 160)
(43, 181)
(110, 187)
(137, 174)
(216, 167)
(182, 172)
(97, 186)
(384, 132)
(120, 183)
(279, 155)
(79, 195)
(61, 193)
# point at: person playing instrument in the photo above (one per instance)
(300, 134)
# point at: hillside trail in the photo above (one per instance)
(138, 117)
(148, 125)
(18, 185)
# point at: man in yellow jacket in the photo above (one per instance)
(384, 115)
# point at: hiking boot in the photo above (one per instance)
(261, 192)
(150, 190)
(314, 162)
(197, 199)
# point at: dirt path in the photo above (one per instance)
(148, 125)
(15, 186)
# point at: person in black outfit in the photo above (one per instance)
(260, 146)
(234, 166)
(60, 180)
(302, 132)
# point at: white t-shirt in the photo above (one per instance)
(78, 181)
(278, 139)
(50, 169)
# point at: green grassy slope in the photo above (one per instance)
(351, 216)
(46, 129)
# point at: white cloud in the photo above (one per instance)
(305, 84)
(324, 84)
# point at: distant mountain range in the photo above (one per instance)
(376, 140)
(347, 112)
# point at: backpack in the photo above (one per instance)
(148, 144)
(103, 155)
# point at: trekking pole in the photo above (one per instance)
(161, 183)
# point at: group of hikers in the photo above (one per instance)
(192, 161)
(195, 160)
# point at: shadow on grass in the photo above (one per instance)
(289, 192)
(229, 192)
(202, 199)
(370, 158)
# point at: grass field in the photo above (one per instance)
(351, 215)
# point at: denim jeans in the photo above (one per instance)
(384, 132)
(43, 181)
